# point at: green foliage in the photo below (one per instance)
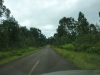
(4, 12)
(68, 47)
(82, 47)
(83, 25)
(94, 50)
(8, 56)
(77, 35)
(85, 36)
(13, 36)
(83, 60)
(19, 52)
(4, 54)
(31, 48)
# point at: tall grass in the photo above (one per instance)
(83, 60)
(8, 56)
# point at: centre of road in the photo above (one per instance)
(34, 67)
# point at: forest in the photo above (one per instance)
(14, 36)
(75, 35)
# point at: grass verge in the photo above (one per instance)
(9, 56)
(83, 60)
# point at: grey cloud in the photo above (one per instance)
(45, 14)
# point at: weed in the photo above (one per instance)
(82, 59)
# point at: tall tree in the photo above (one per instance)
(3, 10)
(93, 28)
(99, 16)
(61, 31)
(83, 25)
(13, 31)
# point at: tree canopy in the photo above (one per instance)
(13, 36)
(80, 33)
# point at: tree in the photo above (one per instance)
(99, 16)
(61, 31)
(3, 10)
(93, 29)
(4, 39)
(40, 39)
(83, 25)
(50, 40)
(12, 28)
(13, 36)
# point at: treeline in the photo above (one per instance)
(14, 36)
(77, 35)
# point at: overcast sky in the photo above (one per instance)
(45, 14)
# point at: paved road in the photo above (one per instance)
(43, 61)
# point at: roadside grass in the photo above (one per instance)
(8, 56)
(84, 60)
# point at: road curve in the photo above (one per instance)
(43, 61)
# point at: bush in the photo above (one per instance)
(94, 50)
(98, 49)
(69, 47)
(82, 59)
(83, 47)
(31, 48)
(91, 50)
(18, 53)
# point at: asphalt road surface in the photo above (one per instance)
(43, 61)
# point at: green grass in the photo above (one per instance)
(9, 56)
(84, 60)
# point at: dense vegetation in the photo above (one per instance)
(83, 60)
(13, 36)
(17, 41)
(78, 41)
(76, 38)
(77, 35)
(8, 56)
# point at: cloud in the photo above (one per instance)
(45, 14)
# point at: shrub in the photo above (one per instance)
(18, 53)
(98, 49)
(94, 50)
(69, 47)
(82, 59)
(83, 47)
(31, 48)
